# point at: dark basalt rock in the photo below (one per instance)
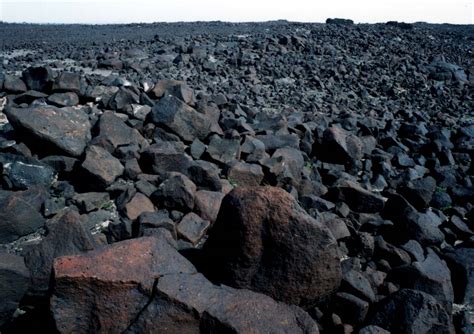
(13, 84)
(164, 156)
(157, 289)
(357, 198)
(252, 245)
(66, 235)
(176, 192)
(20, 212)
(142, 130)
(14, 282)
(62, 129)
(430, 275)
(102, 166)
(181, 119)
(412, 311)
(67, 82)
(38, 78)
(21, 173)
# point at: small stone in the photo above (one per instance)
(207, 204)
(67, 82)
(176, 192)
(87, 202)
(223, 150)
(138, 205)
(192, 228)
(244, 174)
(68, 99)
(101, 165)
(13, 84)
(14, 282)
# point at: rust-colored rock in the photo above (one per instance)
(264, 241)
(145, 286)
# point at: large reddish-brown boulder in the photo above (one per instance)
(145, 286)
(264, 241)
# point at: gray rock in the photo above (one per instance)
(176, 192)
(192, 228)
(14, 282)
(20, 213)
(412, 312)
(174, 115)
(67, 82)
(63, 129)
(244, 174)
(102, 166)
(223, 150)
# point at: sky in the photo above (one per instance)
(140, 11)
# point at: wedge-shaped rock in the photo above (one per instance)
(174, 115)
(145, 286)
(20, 212)
(65, 130)
(411, 312)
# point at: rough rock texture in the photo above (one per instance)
(20, 213)
(144, 285)
(102, 166)
(181, 119)
(65, 130)
(262, 240)
(411, 311)
(66, 235)
(143, 129)
(14, 281)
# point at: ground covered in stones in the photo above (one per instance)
(237, 178)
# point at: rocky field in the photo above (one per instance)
(237, 178)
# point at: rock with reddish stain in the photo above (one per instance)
(264, 241)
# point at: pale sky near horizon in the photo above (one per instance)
(122, 11)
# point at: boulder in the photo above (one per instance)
(462, 274)
(419, 192)
(102, 166)
(13, 84)
(244, 174)
(430, 275)
(38, 78)
(176, 116)
(207, 204)
(223, 150)
(67, 99)
(20, 213)
(66, 235)
(64, 130)
(192, 228)
(67, 82)
(411, 224)
(112, 132)
(176, 192)
(14, 282)
(358, 198)
(264, 241)
(142, 285)
(138, 205)
(22, 172)
(339, 146)
(411, 312)
(163, 157)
